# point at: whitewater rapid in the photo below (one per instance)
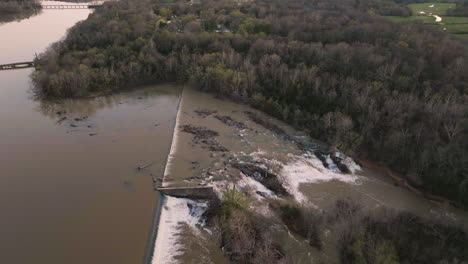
(176, 214)
(309, 169)
(167, 226)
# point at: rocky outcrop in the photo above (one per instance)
(263, 176)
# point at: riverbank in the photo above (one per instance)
(247, 62)
(222, 144)
(18, 10)
(402, 181)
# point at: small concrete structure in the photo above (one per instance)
(188, 192)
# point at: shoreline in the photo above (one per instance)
(402, 182)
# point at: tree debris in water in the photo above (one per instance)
(227, 120)
(205, 112)
(61, 120)
(204, 137)
(144, 167)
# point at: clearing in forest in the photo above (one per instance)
(436, 14)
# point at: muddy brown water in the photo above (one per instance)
(194, 164)
(70, 191)
(69, 188)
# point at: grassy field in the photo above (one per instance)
(439, 9)
(422, 19)
(457, 28)
(454, 20)
(424, 13)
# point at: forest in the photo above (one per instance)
(391, 93)
(18, 9)
(359, 235)
(461, 9)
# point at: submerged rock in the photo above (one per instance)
(263, 176)
(337, 161)
(322, 157)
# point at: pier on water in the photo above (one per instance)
(16, 65)
(77, 6)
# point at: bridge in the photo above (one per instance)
(16, 65)
(49, 4)
(74, 6)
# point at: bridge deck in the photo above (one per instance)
(68, 6)
(16, 65)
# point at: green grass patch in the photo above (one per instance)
(422, 19)
(453, 25)
(457, 28)
(439, 9)
(463, 36)
(454, 20)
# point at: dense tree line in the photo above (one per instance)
(380, 236)
(18, 9)
(461, 9)
(393, 238)
(392, 93)
(385, 7)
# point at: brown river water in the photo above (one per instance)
(70, 190)
(183, 237)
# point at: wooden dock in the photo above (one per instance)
(16, 65)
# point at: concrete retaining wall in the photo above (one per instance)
(188, 192)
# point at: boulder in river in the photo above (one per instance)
(263, 176)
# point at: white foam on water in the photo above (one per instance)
(309, 169)
(331, 165)
(166, 245)
(254, 186)
(264, 158)
(175, 137)
(176, 213)
(349, 162)
(243, 183)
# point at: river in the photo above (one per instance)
(70, 191)
(185, 238)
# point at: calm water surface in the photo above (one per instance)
(69, 188)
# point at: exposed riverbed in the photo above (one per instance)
(218, 140)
